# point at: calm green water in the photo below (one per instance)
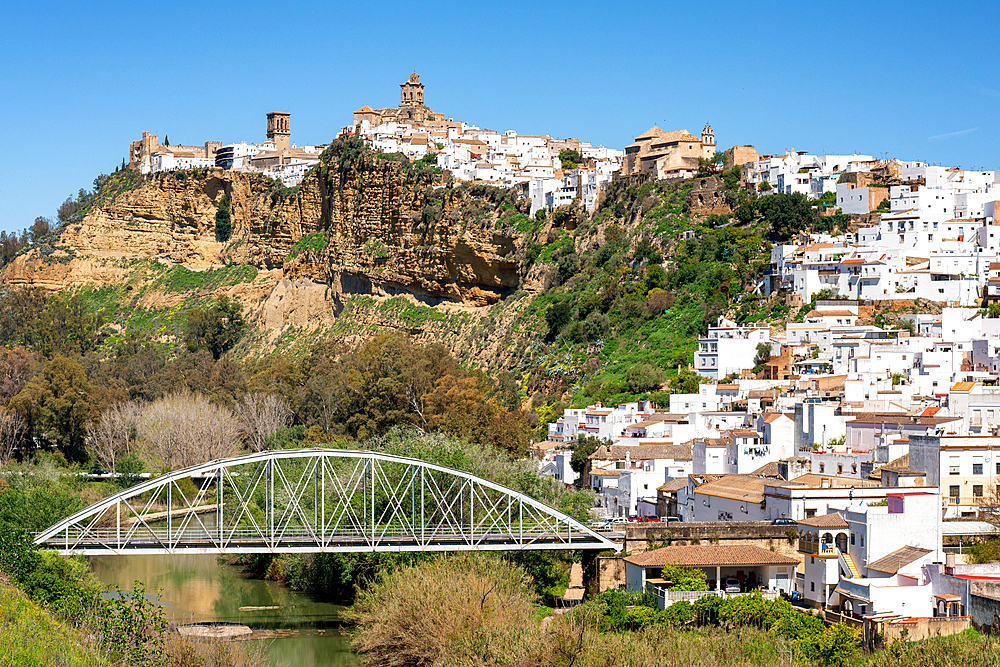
(301, 631)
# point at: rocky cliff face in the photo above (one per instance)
(356, 226)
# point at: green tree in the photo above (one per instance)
(763, 354)
(883, 206)
(223, 220)
(686, 382)
(685, 578)
(642, 378)
(570, 158)
(786, 214)
(836, 645)
(57, 405)
(216, 328)
(166, 140)
(557, 316)
(582, 449)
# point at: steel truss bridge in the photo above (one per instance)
(317, 500)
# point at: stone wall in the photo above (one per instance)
(708, 196)
(914, 629)
(610, 572)
(641, 536)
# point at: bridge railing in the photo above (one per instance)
(317, 499)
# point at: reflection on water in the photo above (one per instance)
(198, 588)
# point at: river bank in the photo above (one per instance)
(300, 631)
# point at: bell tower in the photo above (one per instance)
(279, 128)
(708, 141)
(411, 93)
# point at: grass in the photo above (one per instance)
(30, 637)
(181, 279)
(315, 242)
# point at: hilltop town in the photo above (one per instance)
(781, 371)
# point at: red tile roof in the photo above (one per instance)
(710, 556)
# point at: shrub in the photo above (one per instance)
(445, 611)
(223, 220)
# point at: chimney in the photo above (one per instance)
(824, 483)
(949, 563)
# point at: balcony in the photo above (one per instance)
(826, 550)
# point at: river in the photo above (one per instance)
(301, 632)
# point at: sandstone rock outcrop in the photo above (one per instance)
(360, 226)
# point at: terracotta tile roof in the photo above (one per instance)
(745, 433)
(673, 485)
(831, 313)
(710, 556)
(767, 470)
(643, 452)
(963, 386)
(831, 520)
(771, 417)
(899, 558)
(745, 488)
(898, 418)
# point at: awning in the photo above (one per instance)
(853, 596)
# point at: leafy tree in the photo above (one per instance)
(570, 158)
(582, 449)
(223, 220)
(786, 214)
(40, 229)
(883, 206)
(642, 378)
(686, 382)
(763, 354)
(828, 198)
(56, 403)
(216, 328)
(685, 578)
(836, 645)
(709, 165)
(558, 316)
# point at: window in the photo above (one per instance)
(854, 468)
(852, 538)
(953, 465)
(977, 490)
(977, 468)
(862, 540)
(822, 467)
(840, 468)
(953, 494)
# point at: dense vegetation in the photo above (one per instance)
(474, 609)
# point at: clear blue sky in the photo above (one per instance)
(915, 80)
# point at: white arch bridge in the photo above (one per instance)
(316, 500)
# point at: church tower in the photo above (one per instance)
(411, 93)
(707, 142)
(279, 128)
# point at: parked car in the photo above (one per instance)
(651, 518)
(670, 519)
(784, 521)
(732, 585)
(611, 521)
(634, 519)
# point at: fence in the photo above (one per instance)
(665, 597)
